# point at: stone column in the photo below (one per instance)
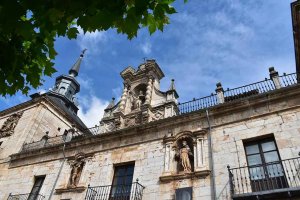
(220, 93)
(275, 77)
(149, 90)
(123, 98)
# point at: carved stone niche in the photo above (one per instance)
(76, 170)
(10, 124)
(185, 156)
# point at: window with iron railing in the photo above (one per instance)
(38, 183)
(265, 167)
(122, 182)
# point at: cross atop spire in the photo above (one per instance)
(75, 68)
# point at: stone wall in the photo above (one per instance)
(280, 118)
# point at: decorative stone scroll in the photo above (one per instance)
(9, 125)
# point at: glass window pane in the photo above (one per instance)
(128, 180)
(271, 156)
(254, 160)
(251, 149)
(256, 173)
(275, 170)
(121, 172)
(130, 170)
(268, 146)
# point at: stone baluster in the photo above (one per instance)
(275, 77)
(123, 98)
(149, 90)
(220, 93)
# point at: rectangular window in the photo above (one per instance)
(38, 183)
(122, 182)
(184, 193)
(265, 167)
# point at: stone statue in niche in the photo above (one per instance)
(9, 125)
(183, 154)
(77, 166)
(136, 102)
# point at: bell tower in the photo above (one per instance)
(66, 86)
(141, 100)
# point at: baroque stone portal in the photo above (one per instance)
(9, 125)
(77, 166)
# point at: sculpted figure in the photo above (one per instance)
(77, 166)
(184, 154)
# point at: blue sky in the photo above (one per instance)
(208, 41)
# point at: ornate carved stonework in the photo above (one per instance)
(9, 125)
(157, 115)
(77, 166)
(110, 126)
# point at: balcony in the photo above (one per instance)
(279, 179)
(133, 191)
(29, 196)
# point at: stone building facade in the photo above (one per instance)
(240, 143)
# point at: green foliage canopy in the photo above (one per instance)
(28, 30)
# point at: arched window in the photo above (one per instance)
(62, 90)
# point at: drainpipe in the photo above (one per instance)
(211, 160)
(60, 169)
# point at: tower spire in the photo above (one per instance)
(75, 68)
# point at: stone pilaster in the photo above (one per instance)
(149, 90)
(169, 156)
(200, 150)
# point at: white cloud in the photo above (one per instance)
(94, 110)
(92, 41)
(146, 48)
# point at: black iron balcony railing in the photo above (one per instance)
(278, 177)
(133, 191)
(249, 90)
(198, 104)
(288, 79)
(260, 87)
(28, 196)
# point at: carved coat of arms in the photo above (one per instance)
(9, 125)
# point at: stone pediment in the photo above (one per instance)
(128, 73)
